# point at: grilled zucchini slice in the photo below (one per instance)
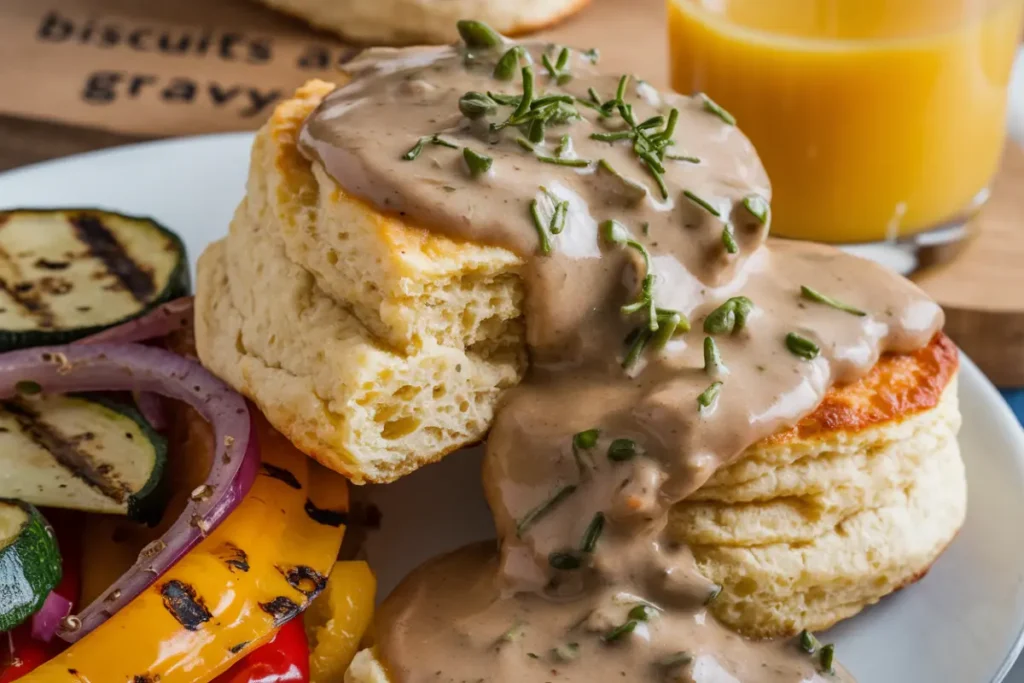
(69, 273)
(87, 452)
(29, 562)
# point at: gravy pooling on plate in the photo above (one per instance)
(666, 334)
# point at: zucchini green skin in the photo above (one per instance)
(178, 284)
(93, 477)
(147, 504)
(30, 567)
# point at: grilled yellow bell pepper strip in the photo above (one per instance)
(337, 621)
(258, 569)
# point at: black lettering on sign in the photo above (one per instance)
(259, 51)
(136, 39)
(222, 96)
(55, 28)
(322, 57)
(100, 87)
(138, 81)
(110, 37)
(174, 45)
(227, 45)
(180, 90)
(259, 101)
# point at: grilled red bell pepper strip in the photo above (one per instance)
(284, 659)
(21, 653)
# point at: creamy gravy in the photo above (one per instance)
(586, 586)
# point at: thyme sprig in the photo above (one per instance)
(559, 69)
(434, 139)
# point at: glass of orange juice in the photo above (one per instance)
(877, 120)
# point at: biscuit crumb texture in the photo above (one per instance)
(804, 533)
(373, 346)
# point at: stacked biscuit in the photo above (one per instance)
(377, 347)
(374, 347)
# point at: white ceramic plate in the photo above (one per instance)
(961, 624)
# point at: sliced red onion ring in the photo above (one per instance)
(47, 620)
(160, 322)
(133, 367)
(151, 407)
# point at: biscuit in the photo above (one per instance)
(408, 22)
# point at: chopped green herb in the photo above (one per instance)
(566, 652)
(670, 127)
(670, 323)
(575, 163)
(645, 228)
(620, 92)
(622, 449)
(478, 34)
(533, 655)
(542, 231)
(817, 296)
(713, 595)
(704, 204)
(523, 106)
(808, 643)
(505, 69)
(535, 133)
(730, 317)
(675, 659)
(637, 342)
(476, 162)
(564, 561)
(544, 508)
(593, 55)
(594, 97)
(593, 533)
(514, 633)
(802, 346)
(713, 364)
(525, 144)
(507, 100)
(827, 658)
(711, 106)
(653, 122)
(440, 142)
(683, 157)
(642, 612)
(708, 397)
(758, 207)
(475, 105)
(620, 631)
(729, 240)
(27, 387)
(433, 140)
(556, 70)
(564, 148)
(586, 439)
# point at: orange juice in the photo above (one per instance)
(874, 118)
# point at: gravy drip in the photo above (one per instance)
(630, 605)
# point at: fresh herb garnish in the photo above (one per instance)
(525, 144)
(523, 105)
(535, 131)
(713, 364)
(574, 163)
(559, 214)
(683, 157)
(702, 203)
(827, 658)
(566, 652)
(642, 612)
(708, 397)
(758, 207)
(711, 106)
(475, 105)
(730, 317)
(616, 233)
(476, 162)
(505, 69)
(478, 34)
(623, 449)
(802, 346)
(670, 323)
(593, 55)
(542, 230)
(431, 139)
(593, 533)
(514, 633)
(675, 659)
(586, 439)
(808, 643)
(558, 70)
(620, 631)
(564, 561)
(544, 508)
(817, 296)
(565, 147)
(729, 240)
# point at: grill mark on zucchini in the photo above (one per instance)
(306, 580)
(187, 608)
(281, 474)
(281, 608)
(65, 451)
(28, 299)
(103, 245)
(325, 517)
